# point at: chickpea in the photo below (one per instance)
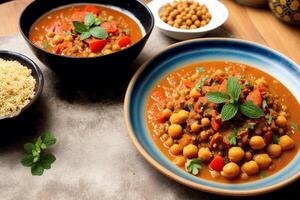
(69, 38)
(203, 23)
(250, 168)
(166, 113)
(164, 137)
(185, 140)
(92, 54)
(286, 142)
(195, 127)
(171, 23)
(189, 22)
(189, 16)
(183, 115)
(257, 142)
(205, 121)
(190, 151)
(193, 26)
(176, 149)
(178, 21)
(169, 142)
(231, 170)
(204, 154)
(108, 46)
(244, 176)
(50, 34)
(236, 154)
(197, 23)
(263, 160)
(175, 131)
(116, 47)
(274, 150)
(281, 121)
(183, 27)
(248, 155)
(176, 25)
(179, 161)
(57, 39)
(204, 135)
(192, 12)
(107, 51)
(194, 18)
(219, 72)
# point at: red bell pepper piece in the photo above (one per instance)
(96, 45)
(92, 9)
(268, 137)
(255, 97)
(110, 27)
(124, 41)
(215, 126)
(217, 163)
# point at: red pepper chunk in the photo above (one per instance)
(124, 41)
(255, 97)
(110, 27)
(215, 126)
(92, 9)
(96, 45)
(267, 137)
(217, 163)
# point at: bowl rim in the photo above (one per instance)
(166, 171)
(148, 32)
(40, 81)
(164, 26)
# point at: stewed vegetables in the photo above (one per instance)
(224, 121)
(85, 31)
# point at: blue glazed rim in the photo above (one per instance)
(177, 55)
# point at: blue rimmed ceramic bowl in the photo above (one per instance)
(213, 49)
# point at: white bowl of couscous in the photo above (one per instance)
(188, 19)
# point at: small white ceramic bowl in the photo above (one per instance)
(217, 10)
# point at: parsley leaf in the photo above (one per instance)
(193, 166)
(232, 137)
(294, 126)
(275, 139)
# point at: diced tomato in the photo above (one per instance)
(189, 84)
(78, 16)
(110, 27)
(124, 41)
(217, 163)
(261, 88)
(268, 137)
(255, 97)
(215, 126)
(222, 87)
(197, 107)
(58, 49)
(95, 44)
(202, 100)
(92, 9)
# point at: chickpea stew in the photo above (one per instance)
(185, 14)
(224, 121)
(85, 31)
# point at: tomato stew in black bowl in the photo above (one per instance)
(86, 37)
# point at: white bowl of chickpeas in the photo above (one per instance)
(187, 19)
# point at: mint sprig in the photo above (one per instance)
(193, 166)
(90, 27)
(232, 137)
(231, 102)
(35, 157)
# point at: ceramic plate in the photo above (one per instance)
(204, 50)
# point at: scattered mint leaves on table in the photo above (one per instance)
(35, 156)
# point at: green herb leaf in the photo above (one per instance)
(28, 147)
(48, 139)
(27, 160)
(46, 44)
(99, 32)
(193, 166)
(37, 169)
(217, 97)
(97, 22)
(126, 31)
(80, 27)
(269, 119)
(251, 110)
(263, 174)
(275, 139)
(232, 137)
(233, 88)
(264, 104)
(198, 86)
(68, 32)
(85, 35)
(200, 69)
(47, 160)
(294, 126)
(191, 106)
(89, 19)
(250, 126)
(228, 111)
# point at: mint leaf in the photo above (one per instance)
(200, 69)
(264, 104)
(79, 27)
(269, 119)
(198, 86)
(228, 111)
(99, 32)
(232, 137)
(27, 160)
(47, 160)
(233, 88)
(126, 31)
(250, 126)
(28, 147)
(193, 165)
(89, 19)
(37, 169)
(217, 97)
(48, 139)
(251, 110)
(85, 35)
(97, 22)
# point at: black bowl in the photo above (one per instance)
(35, 72)
(70, 66)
